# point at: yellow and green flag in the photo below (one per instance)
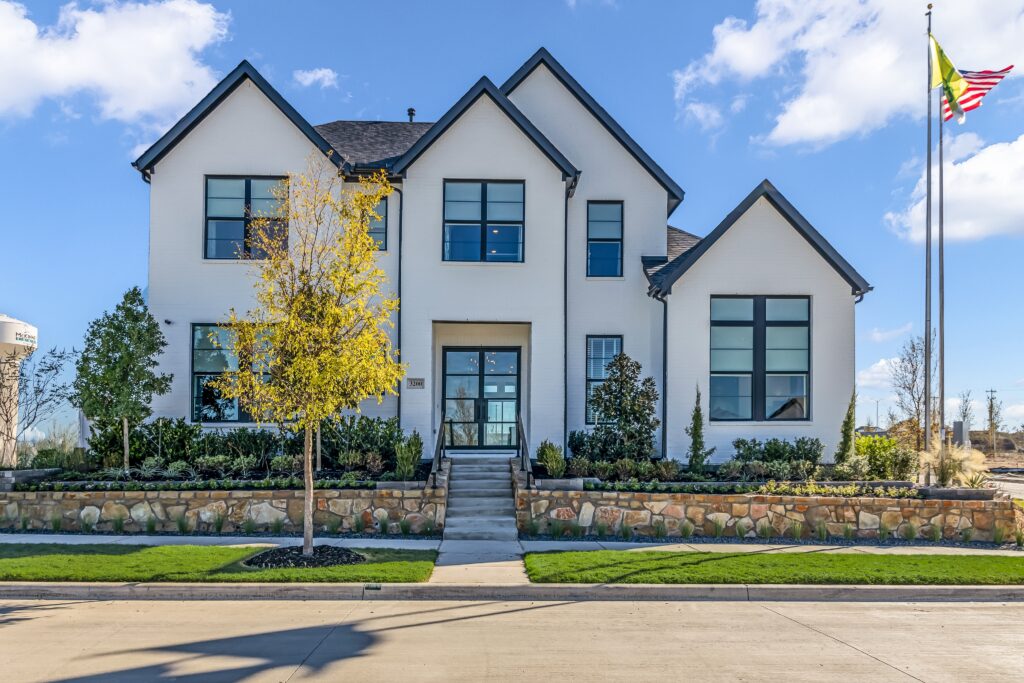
(946, 76)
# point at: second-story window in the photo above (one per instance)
(604, 239)
(231, 206)
(483, 220)
(379, 226)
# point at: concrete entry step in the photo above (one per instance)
(455, 495)
(495, 485)
(482, 505)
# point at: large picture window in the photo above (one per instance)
(231, 206)
(483, 221)
(760, 358)
(604, 239)
(600, 352)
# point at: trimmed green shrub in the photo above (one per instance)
(551, 457)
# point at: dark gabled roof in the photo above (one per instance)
(485, 88)
(542, 56)
(677, 243)
(661, 284)
(220, 92)
(372, 144)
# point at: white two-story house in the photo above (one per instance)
(527, 240)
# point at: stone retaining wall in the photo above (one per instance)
(80, 510)
(865, 516)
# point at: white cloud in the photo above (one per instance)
(139, 61)
(878, 376)
(708, 116)
(846, 68)
(878, 335)
(738, 104)
(324, 77)
(1013, 415)
(983, 194)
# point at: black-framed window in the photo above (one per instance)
(379, 226)
(483, 220)
(210, 360)
(604, 239)
(760, 358)
(231, 205)
(600, 351)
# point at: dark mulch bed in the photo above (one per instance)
(291, 556)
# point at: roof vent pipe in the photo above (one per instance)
(412, 114)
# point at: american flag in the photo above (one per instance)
(978, 85)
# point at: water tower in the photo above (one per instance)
(17, 340)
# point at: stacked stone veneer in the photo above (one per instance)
(378, 508)
(643, 511)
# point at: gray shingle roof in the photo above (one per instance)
(374, 144)
(678, 242)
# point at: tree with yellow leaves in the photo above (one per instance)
(317, 340)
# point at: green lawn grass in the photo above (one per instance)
(107, 562)
(611, 566)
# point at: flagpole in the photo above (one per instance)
(928, 259)
(942, 300)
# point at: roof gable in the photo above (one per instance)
(542, 56)
(662, 283)
(485, 88)
(220, 92)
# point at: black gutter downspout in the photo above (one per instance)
(664, 377)
(565, 322)
(398, 317)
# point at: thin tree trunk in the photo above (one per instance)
(124, 425)
(307, 503)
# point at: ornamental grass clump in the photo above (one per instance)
(764, 529)
(118, 524)
(909, 531)
(741, 529)
(821, 531)
(935, 533)
(848, 532)
(998, 535)
(218, 522)
(625, 532)
(151, 525)
(55, 523)
(181, 521)
(686, 528)
(333, 525)
(556, 528)
(1018, 537)
(277, 526)
(719, 528)
(884, 532)
(359, 524)
(405, 526)
(601, 529)
(660, 530)
(249, 526)
(533, 528)
(967, 534)
(797, 530)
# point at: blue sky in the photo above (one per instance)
(824, 97)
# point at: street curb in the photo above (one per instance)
(507, 592)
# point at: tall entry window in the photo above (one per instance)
(231, 206)
(600, 352)
(604, 239)
(481, 397)
(760, 358)
(483, 221)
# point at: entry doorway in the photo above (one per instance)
(481, 396)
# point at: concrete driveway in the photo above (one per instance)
(475, 641)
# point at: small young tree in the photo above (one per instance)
(847, 434)
(116, 371)
(317, 341)
(31, 390)
(698, 454)
(994, 413)
(627, 405)
(907, 377)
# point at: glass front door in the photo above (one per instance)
(481, 397)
